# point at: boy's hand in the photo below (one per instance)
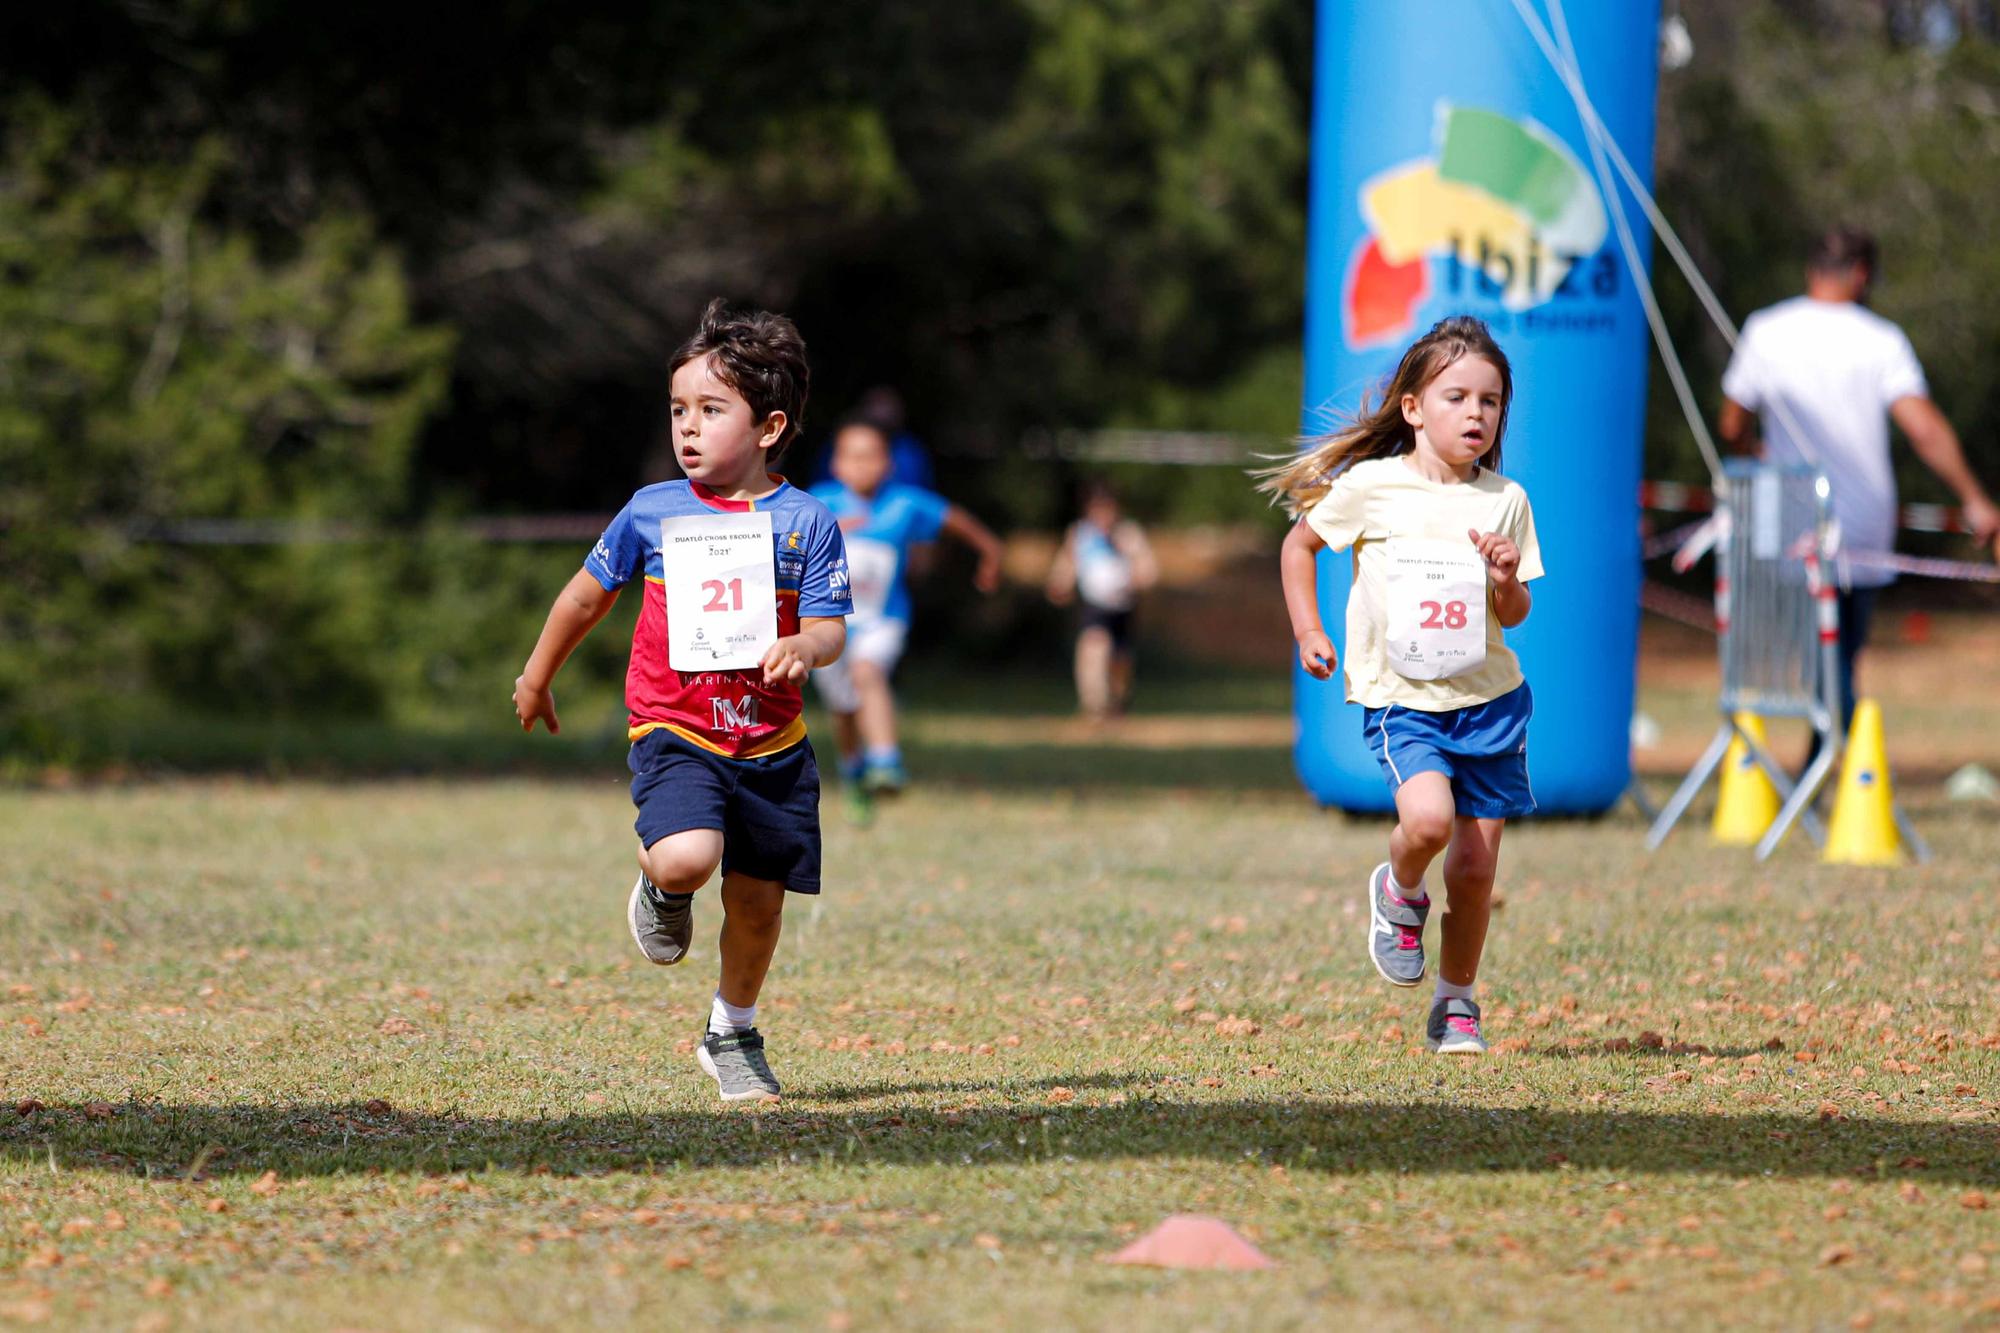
(987, 577)
(1503, 558)
(790, 659)
(1316, 654)
(531, 702)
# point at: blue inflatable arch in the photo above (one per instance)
(1452, 174)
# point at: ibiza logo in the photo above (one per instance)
(792, 540)
(1501, 211)
(739, 715)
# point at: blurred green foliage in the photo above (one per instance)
(385, 266)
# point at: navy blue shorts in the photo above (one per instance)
(1483, 749)
(766, 809)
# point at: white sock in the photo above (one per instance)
(1415, 895)
(1449, 990)
(725, 1018)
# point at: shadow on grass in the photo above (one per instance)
(1318, 1134)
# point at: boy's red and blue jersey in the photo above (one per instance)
(731, 713)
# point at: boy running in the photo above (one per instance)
(882, 519)
(745, 583)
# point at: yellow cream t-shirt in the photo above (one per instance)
(1380, 501)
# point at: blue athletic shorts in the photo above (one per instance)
(1482, 749)
(767, 809)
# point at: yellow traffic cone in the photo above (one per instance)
(1863, 829)
(1748, 802)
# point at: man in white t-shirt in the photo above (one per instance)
(1824, 376)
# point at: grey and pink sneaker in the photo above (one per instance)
(1395, 931)
(1454, 1028)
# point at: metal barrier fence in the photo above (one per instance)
(1777, 619)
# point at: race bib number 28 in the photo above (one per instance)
(722, 591)
(1437, 608)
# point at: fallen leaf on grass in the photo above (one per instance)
(1972, 1199)
(1234, 1026)
(1061, 1095)
(99, 1110)
(27, 1106)
(1836, 1254)
(397, 1027)
(216, 1206)
(265, 1185)
(376, 1106)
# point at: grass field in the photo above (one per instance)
(379, 1054)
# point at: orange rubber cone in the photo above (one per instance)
(1185, 1241)
(1863, 829)
(1748, 802)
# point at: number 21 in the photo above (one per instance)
(1444, 615)
(719, 594)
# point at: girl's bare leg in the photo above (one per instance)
(1468, 884)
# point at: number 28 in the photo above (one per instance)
(1443, 615)
(720, 595)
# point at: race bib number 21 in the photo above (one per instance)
(722, 591)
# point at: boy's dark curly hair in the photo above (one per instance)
(758, 354)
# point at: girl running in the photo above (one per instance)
(1444, 548)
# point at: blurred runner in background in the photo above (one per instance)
(1103, 565)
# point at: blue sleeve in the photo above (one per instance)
(823, 589)
(619, 554)
(927, 511)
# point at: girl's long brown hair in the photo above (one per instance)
(1379, 430)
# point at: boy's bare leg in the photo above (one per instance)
(1121, 680)
(1468, 884)
(847, 736)
(1093, 671)
(753, 916)
(682, 862)
(878, 707)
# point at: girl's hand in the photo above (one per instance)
(790, 659)
(531, 702)
(1503, 558)
(1316, 654)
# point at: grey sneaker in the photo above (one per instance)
(735, 1060)
(662, 923)
(1395, 932)
(1454, 1028)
